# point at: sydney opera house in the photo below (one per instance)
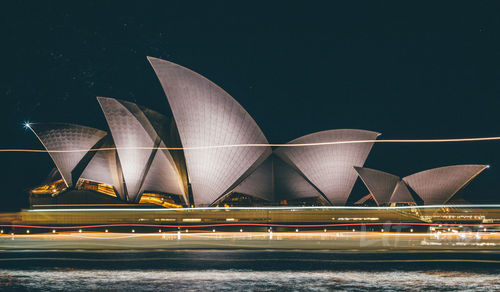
(211, 152)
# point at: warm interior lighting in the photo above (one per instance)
(51, 189)
(191, 219)
(165, 201)
(98, 187)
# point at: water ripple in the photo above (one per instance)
(247, 280)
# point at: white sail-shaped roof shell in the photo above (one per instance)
(259, 183)
(380, 184)
(401, 194)
(330, 167)
(104, 168)
(438, 185)
(162, 177)
(276, 180)
(75, 140)
(289, 184)
(208, 116)
(159, 126)
(135, 139)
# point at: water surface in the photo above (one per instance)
(244, 280)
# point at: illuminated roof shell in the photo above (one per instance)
(215, 131)
(380, 184)
(438, 185)
(105, 168)
(143, 167)
(289, 184)
(275, 180)
(208, 116)
(67, 137)
(330, 167)
(401, 194)
(259, 183)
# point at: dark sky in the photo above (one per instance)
(406, 69)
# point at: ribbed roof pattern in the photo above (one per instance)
(330, 167)
(143, 167)
(206, 115)
(380, 184)
(260, 182)
(290, 184)
(67, 137)
(438, 185)
(220, 149)
(104, 168)
(401, 194)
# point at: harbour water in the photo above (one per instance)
(239, 270)
(245, 280)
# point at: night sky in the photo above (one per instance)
(421, 70)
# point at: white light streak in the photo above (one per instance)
(452, 140)
(284, 208)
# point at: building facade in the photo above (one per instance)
(213, 152)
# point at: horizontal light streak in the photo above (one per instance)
(453, 140)
(249, 224)
(191, 220)
(345, 234)
(281, 208)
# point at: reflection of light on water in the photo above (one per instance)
(231, 280)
